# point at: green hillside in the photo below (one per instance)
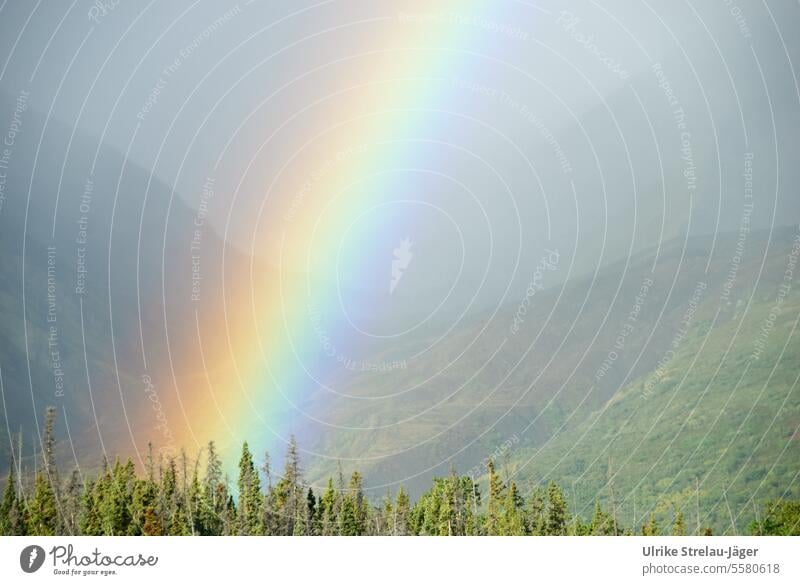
(717, 423)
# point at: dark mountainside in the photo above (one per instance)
(100, 213)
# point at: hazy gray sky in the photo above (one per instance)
(560, 117)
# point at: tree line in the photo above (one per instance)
(179, 496)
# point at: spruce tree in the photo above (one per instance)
(513, 516)
(173, 510)
(90, 522)
(146, 502)
(10, 517)
(289, 492)
(143, 506)
(250, 499)
(271, 522)
(402, 509)
(678, 525)
(179, 524)
(535, 512)
(651, 527)
(215, 494)
(494, 511)
(329, 510)
(311, 518)
(152, 523)
(167, 489)
(48, 450)
(472, 505)
(42, 512)
(557, 514)
(779, 518)
(602, 524)
(43, 516)
(194, 500)
(230, 522)
(71, 504)
(353, 519)
(124, 477)
(385, 519)
(104, 501)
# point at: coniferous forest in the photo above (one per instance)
(182, 496)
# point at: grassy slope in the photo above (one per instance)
(549, 387)
(724, 422)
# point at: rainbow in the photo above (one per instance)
(272, 344)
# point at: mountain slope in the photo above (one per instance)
(718, 423)
(81, 285)
(512, 393)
